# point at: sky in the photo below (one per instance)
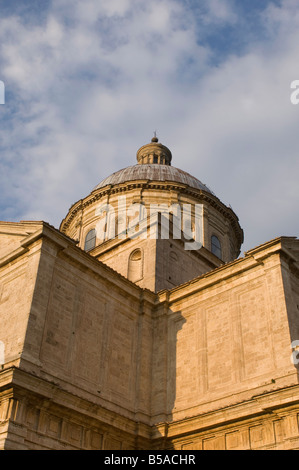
(88, 83)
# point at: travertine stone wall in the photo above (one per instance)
(101, 363)
(75, 327)
(226, 334)
(164, 263)
(18, 273)
(273, 425)
(227, 341)
(12, 234)
(117, 256)
(87, 330)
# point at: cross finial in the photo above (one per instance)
(155, 138)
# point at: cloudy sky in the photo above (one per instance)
(88, 82)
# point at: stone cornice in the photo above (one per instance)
(198, 194)
(270, 403)
(68, 247)
(85, 405)
(252, 259)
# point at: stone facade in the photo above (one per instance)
(92, 361)
(138, 343)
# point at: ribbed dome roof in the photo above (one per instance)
(153, 172)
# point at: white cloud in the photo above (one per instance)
(220, 11)
(91, 83)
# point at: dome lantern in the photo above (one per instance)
(154, 153)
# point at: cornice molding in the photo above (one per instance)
(198, 194)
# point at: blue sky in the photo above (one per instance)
(87, 83)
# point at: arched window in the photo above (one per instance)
(90, 240)
(135, 268)
(216, 246)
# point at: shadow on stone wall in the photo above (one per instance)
(165, 375)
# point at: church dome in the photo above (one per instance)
(103, 219)
(154, 164)
(153, 172)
